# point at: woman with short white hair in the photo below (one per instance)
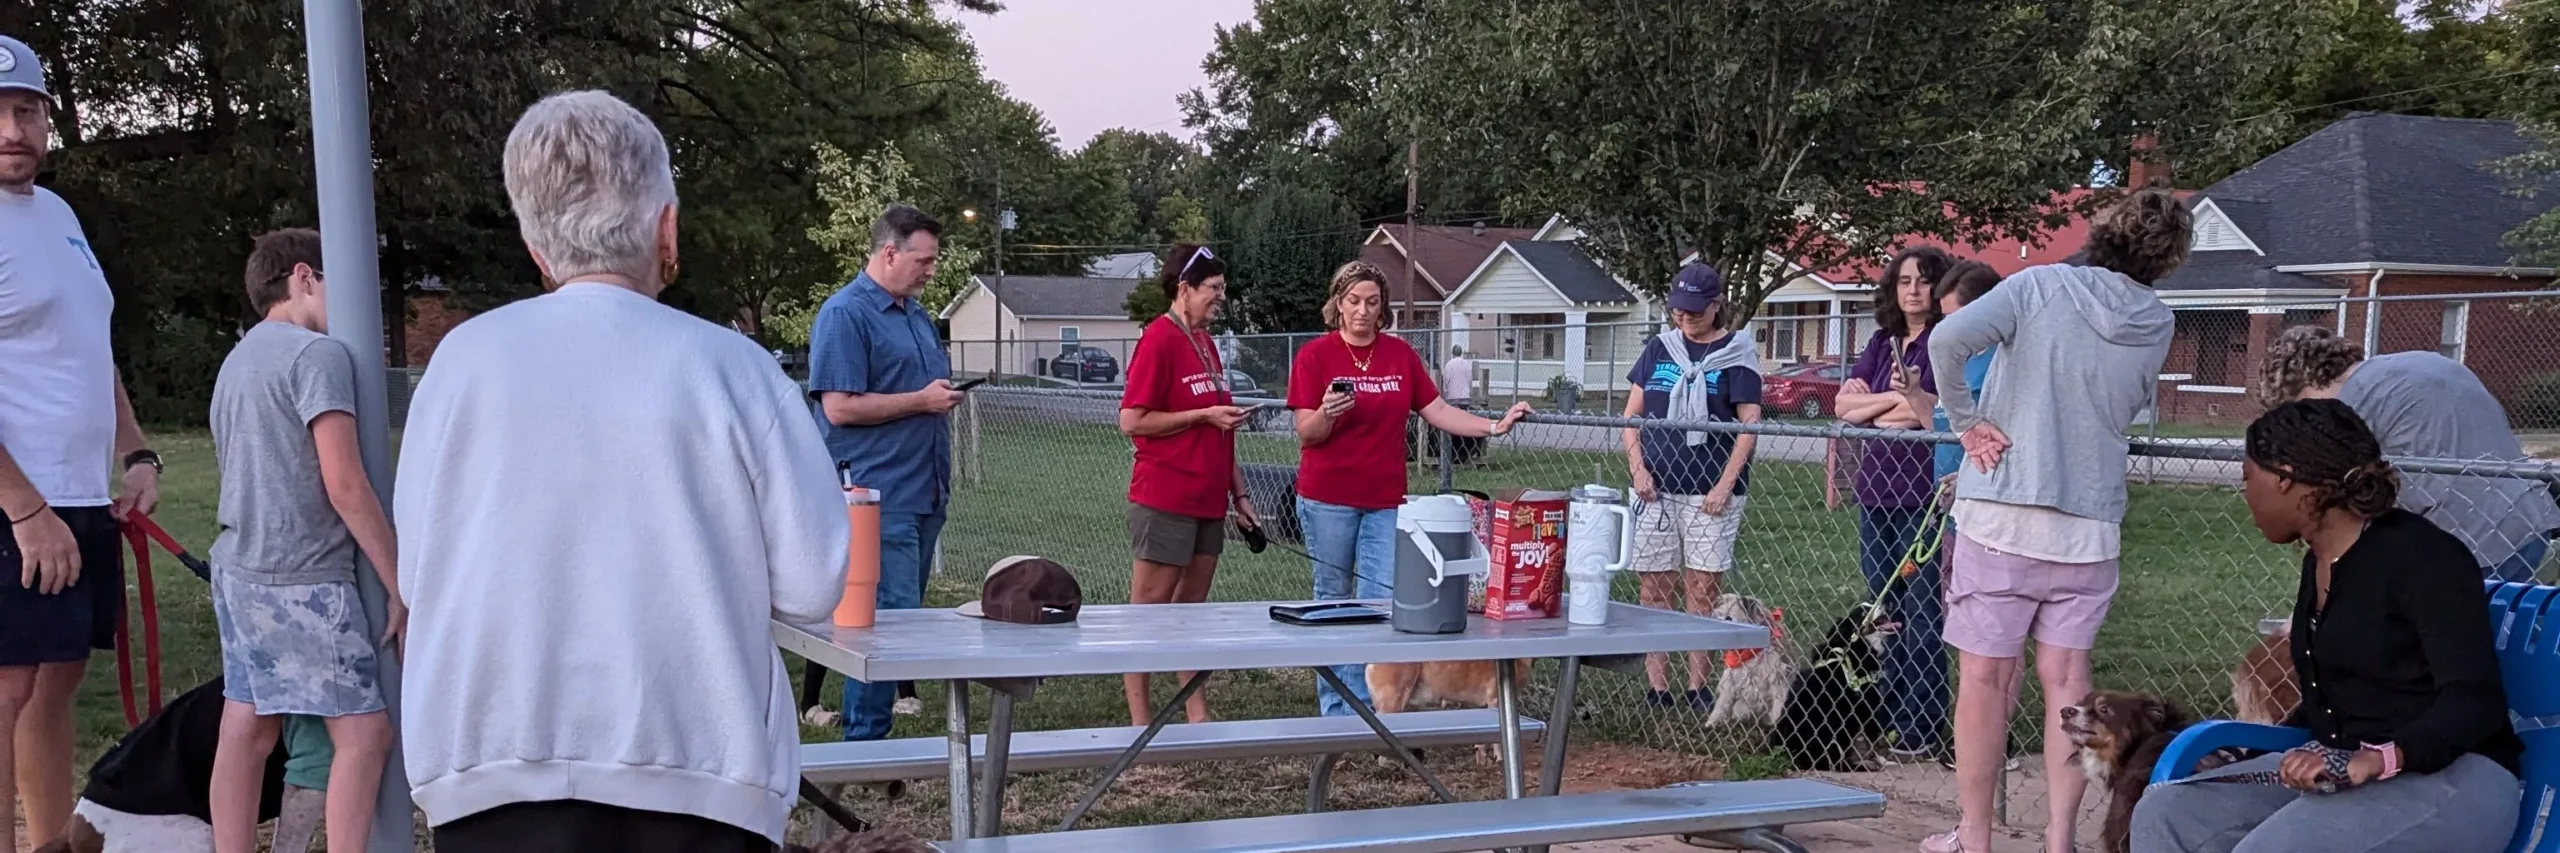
(602, 503)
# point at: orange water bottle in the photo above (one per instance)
(862, 557)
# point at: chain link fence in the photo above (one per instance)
(1042, 466)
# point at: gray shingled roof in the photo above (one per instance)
(1065, 296)
(2370, 188)
(1565, 265)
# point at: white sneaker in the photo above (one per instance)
(907, 707)
(819, 716)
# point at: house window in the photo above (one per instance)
(2455, 334)
(1538, 337)
(1069, 338)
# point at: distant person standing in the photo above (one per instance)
(1458, 386)
(1893, 486)
(2426, 406)
(65, 429)
(882, 388)
(1690, 486)
(1181, 419)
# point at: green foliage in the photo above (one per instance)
(853, 194)
(1281, 249)
(2534, 95)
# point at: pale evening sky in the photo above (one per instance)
(1092, 65)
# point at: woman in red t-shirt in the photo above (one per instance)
(1351, 390)
(1179, 413)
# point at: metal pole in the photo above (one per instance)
(999, 288)
(342, 155)
(956, 719)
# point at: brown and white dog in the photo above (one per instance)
(2263, 687)
(1756, 682)
(2117, 738)
(1397, 687)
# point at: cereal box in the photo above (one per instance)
(1527, 546)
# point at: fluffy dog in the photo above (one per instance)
(1396, 687)
(1834, 716)
(2263, 687)
(2117, 738)
(1755, 683)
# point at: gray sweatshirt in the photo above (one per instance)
(2080, 349)
(2426, 406)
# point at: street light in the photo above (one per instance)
(969, 214)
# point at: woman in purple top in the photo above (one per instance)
(1892, 484)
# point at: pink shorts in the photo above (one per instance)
(1996, 600)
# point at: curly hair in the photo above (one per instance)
(2324, 445)
(2145, 236)
(1934, 262)
(2303, 358)
(1346, 277)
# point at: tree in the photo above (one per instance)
(1281, 251)
(1182, 221)
(1840, 129)
(2535, 95)
(853, 195)
(1157, 167)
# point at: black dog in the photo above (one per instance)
(1835, 713)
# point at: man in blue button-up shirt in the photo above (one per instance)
(882, 389)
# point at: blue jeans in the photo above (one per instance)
(1340, 537)
(2519, 568)
(1915, 663)
(906, 550)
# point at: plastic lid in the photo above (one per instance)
(1594, 492)
(1437, 513)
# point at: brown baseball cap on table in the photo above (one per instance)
(1028, 591)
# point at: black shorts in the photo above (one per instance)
(37, 628)
(572, 826)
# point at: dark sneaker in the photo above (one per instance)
(1657, 699)
(1702, 699)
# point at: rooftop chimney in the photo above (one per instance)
(2146, 164)
(1479, 229)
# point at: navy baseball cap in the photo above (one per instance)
(18, 68)
(1696, 289)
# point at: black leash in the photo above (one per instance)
(835, 811)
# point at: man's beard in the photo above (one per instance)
(11, 175)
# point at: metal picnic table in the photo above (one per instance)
(942, 645)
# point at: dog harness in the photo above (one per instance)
(1735, 658)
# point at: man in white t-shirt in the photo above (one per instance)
(1458, 386)
(64, 424)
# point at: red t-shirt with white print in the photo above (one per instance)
(1361, 465)
(1190, 472)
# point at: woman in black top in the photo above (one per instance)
(2391, 640)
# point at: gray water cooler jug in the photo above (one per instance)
(1437, 560)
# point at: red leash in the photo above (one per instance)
(141, 534)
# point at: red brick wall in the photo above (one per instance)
(429, 319)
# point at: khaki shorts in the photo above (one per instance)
(1672, 532)
(1172, 539)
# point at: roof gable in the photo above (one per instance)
(2216, 232)
(1572, 274)
(1443, 255)
(2387, 189)
(1063, 297)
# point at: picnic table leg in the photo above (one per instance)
(1395, 745)
(1551, 770)
(1093, 794)
(1508, 688)
(957, 703)
(999, 753)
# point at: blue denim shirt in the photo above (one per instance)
(866, 342)
(1977, 370)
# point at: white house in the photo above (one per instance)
(1040, 317)
(1540, 308)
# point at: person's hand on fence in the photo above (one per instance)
(141, 491)
(49, 558)
(1509, 418)
(1335, 405)
(1642, 480)
(1716, 501)
(1223, 417)
(1983, 443)
(938, 397)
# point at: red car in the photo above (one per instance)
(1808, 390)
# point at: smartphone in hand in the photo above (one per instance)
(973, 383)
(1341, 387)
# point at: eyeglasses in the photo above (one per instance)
(1203, 252)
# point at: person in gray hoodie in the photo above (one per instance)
(2040, 502)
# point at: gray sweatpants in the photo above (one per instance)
(2468, 807)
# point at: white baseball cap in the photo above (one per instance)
(18, 68)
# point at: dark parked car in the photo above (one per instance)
(1808, 390)
(1086, 364)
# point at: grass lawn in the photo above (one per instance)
(2196, 580)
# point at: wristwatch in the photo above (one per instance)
(145, 456)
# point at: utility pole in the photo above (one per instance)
(1004, 220)
(1412, 200)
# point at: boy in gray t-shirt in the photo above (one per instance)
(295, 509)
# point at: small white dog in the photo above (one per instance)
(1756, 682)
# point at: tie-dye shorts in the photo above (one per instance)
(296, 648)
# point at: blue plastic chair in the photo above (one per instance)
(2528, 638)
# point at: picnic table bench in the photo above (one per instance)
(1697, 809)
(906, 759)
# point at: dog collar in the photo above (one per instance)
(1735, 658)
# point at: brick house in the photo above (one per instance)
(2374, 205)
